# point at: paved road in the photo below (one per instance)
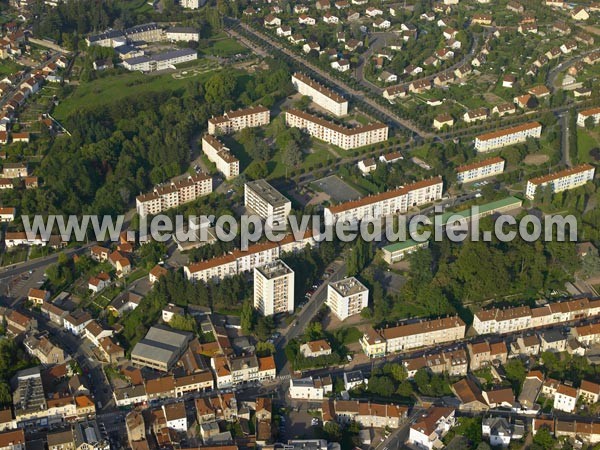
(563, 118)
(553, 74)
(359, 96)
(304, 317)
(399, 436)
(18, 269)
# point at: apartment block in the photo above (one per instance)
(321, 95)
(216, 152)
(564, 180)
(173, 195)
(243, 261)
(519, 318)
(508, 136)
(347, 297)
(584, 115)
(233, 121)
(423, 333)
(332, 133)
(502, 321)
(480, 170)
(274, 288)
(397, 201)
(266, 201)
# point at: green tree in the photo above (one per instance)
(183, 322)
(333, 431)
(247, 317)
(543, 439)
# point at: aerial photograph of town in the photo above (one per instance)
(299, 224)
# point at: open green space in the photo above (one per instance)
(8, 67)
(107, 89)
(223, 47)
(137, 6)
(586, 141)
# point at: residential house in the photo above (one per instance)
(565, 398)
(314, 349)
(38, 296)
(470, 396)
(430, 428)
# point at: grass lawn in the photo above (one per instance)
(8, 67)
(138, 6)
(39, 251)
(348, 335)
(223, 47)
(14, 256)
(136, 275)
(105, 90)
(586, 141)
(310, 160)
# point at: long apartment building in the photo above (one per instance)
(424, 333)
(584, 115)
(274, 288)
(233, 121)
(240, 261)
(520, 318)
(332, 133)
(564, 180)
(347, 297)
(508, 136)
(216, 152)
(266, 201)
(397, 201)
(321, 95)
(480, 170)
(173, 194)
(160, 61)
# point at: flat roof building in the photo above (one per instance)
(396, 252)
(274, 288)
(266, 201)
(161, 348)
(347, 297)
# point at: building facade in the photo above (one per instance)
(347, 297)
(216, 152)
(564, 180)
(345, 138)
(479, 170)
(266, 201)
(173, 195)
(274, 288)
(233, 121)
(321, 95)
(509, 136)
(388, 203)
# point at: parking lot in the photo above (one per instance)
(337, 189)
